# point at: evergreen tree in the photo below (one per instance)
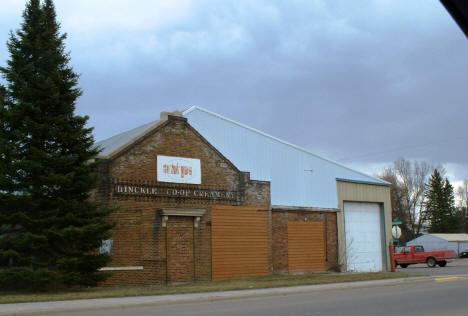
(49, 228)
(462, 219)
(440, 205)
(453, 222)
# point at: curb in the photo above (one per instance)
(45, 308)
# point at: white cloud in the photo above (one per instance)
(11, 6)
(10, 15)
(456, 173)
(91, 17)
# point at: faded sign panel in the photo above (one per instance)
(179, 170)
(107, 247)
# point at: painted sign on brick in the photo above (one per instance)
(178, 170)
(123, 189)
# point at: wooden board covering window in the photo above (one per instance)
(306, 246)
(239, 239)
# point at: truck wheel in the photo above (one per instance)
(442, 263)
(404, 265)
(431, 263)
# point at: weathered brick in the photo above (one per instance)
(178, 252)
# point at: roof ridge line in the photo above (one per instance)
(195, 107)
(129, 130)
(149, 126)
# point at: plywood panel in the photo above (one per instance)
(306, 246)
(239, 238)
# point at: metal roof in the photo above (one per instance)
(298, 177)
(369, 180)
(115, 144)
(452, 237)
(110, 145)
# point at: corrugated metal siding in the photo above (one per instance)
(306, 246)
(272, 160)
(239, 239)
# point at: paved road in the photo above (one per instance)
(430, 298)
(458, 267)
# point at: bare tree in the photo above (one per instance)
(462, 195)
(408, 180)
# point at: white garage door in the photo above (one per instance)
(363, 237)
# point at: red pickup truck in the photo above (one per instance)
(416, 254)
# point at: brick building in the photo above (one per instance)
(184, 212)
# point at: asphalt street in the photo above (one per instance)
(458, 267)
(433, 291)
(441, 296)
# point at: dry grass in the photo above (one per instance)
(261, 282)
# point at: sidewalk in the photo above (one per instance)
(46, 308)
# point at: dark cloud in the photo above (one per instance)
(363, 83)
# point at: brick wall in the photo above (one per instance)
(280, 220)
(179, 251)
(181, 261)
(139, 236)
(332, 241)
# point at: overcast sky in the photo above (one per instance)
(359, 82)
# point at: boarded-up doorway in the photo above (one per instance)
(306, 246)
(180, 259)
(239, 239)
